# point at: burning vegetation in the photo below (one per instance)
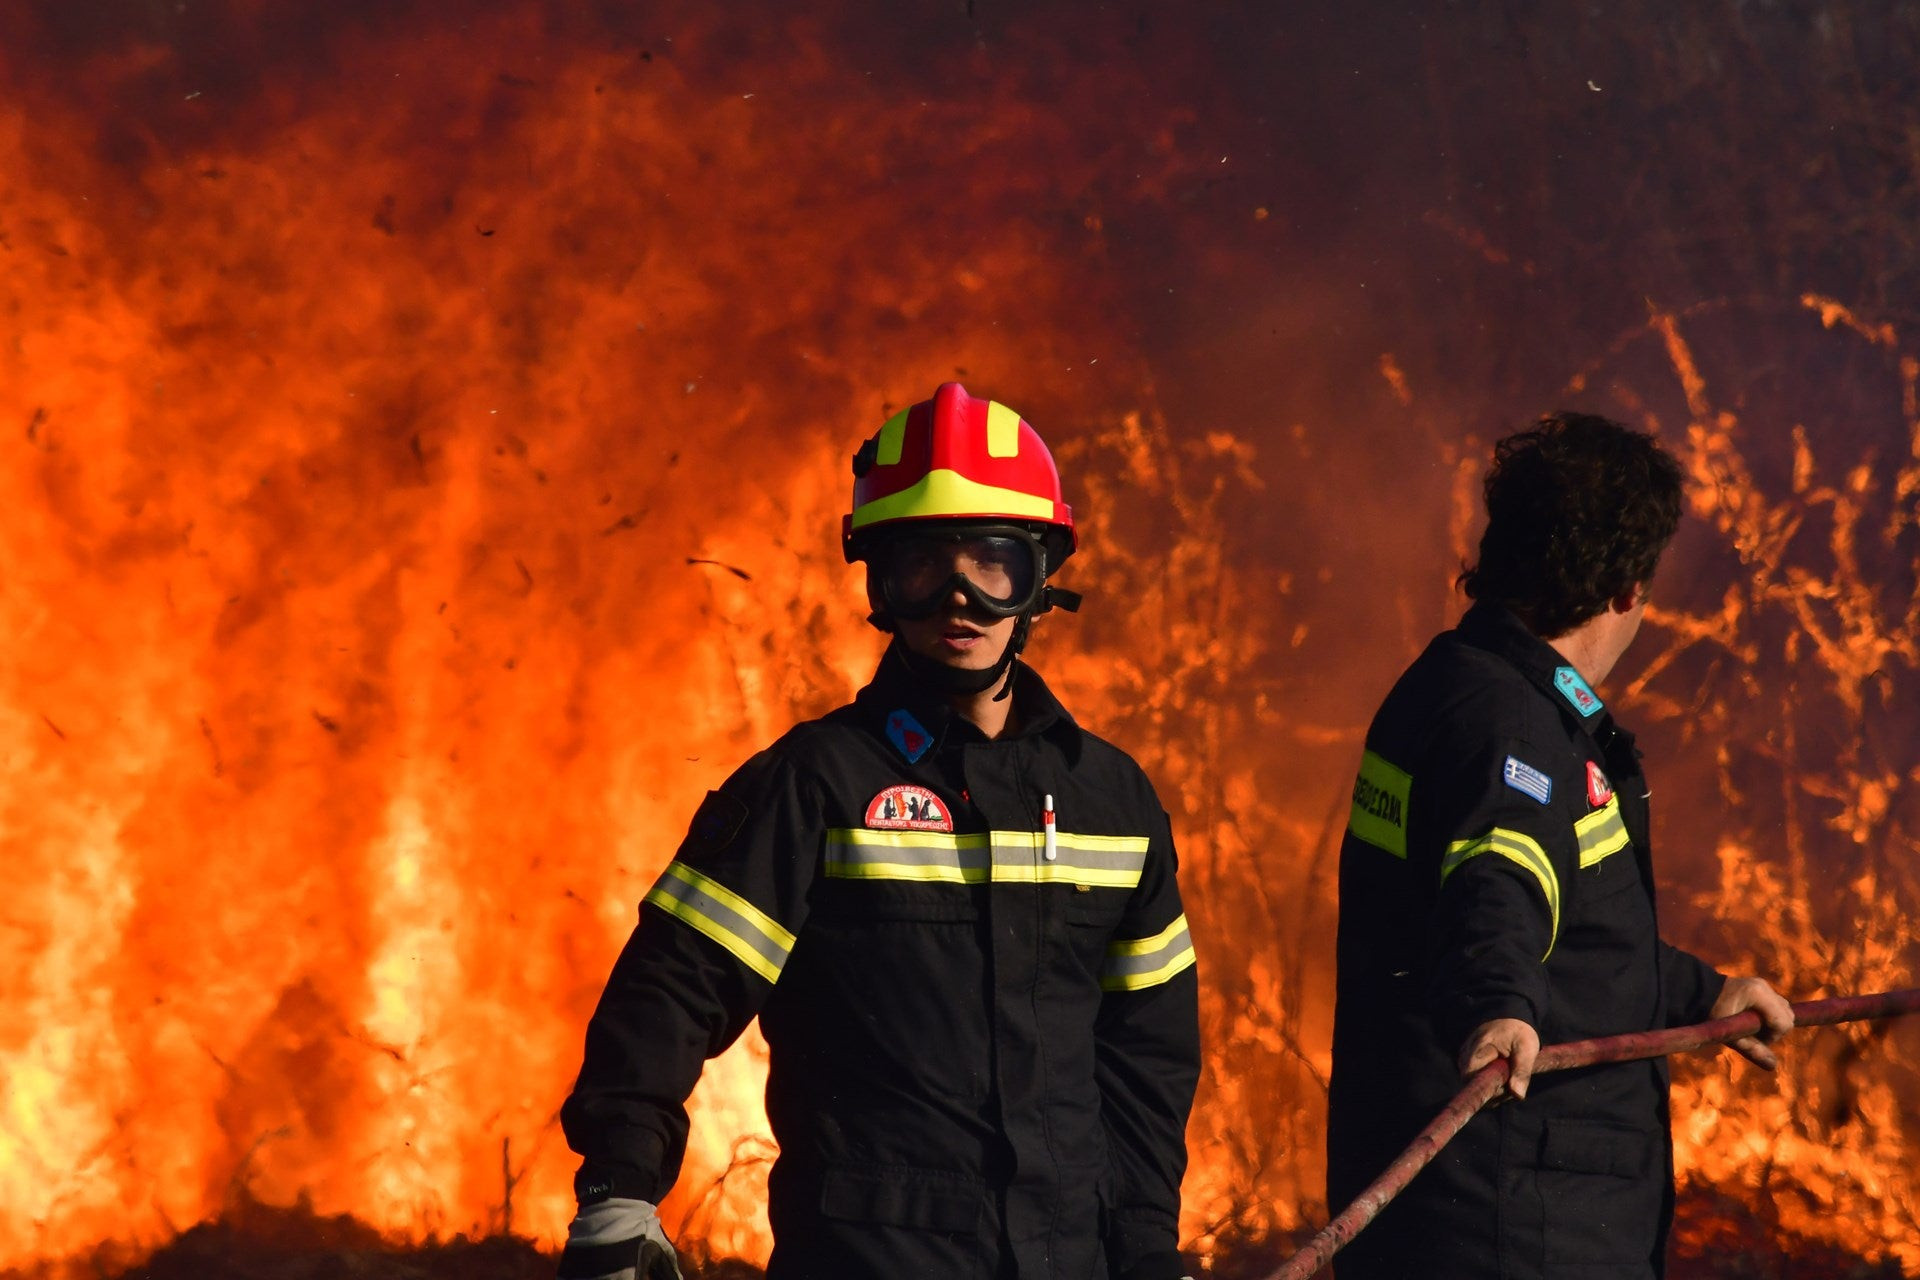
(428, 446)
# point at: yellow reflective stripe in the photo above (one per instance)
(1079, 842)
(1060, 872)
(948, 493)
(1522, 851)
(753, 937)
(1602, 833)
(1003, 431)
(930, 857)
(1016, 857)
(1380, 796)
(1136, 963)
(893, 439)
(910, 839)
(1107, 862)
(1147, 946)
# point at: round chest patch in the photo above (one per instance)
(908, 808)
(1599, 790)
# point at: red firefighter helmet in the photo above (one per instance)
(957, 459)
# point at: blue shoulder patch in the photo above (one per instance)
(908, 735)
(1527, 780)
(1576, 691)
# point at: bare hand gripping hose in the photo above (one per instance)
(1484, 1084)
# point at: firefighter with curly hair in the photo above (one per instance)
(954, 912)
(1497, 893)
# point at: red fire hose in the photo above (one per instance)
(1483, 1084)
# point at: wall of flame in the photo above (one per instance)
(427, 444)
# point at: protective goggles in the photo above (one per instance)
(1001, 571)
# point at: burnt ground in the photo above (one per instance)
(1719, 1239)
(252, 1241)
(1724, 1240)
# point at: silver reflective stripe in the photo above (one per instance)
(1602, 833)
(1147, 962)
(1000, 856)
(1112, 862)
(908, 855)
(755, 938)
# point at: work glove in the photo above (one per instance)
(615, 1239)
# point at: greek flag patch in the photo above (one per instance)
(1527, 780)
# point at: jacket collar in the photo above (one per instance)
(916, 720)
(1499, 631)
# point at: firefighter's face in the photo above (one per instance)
(957, 635)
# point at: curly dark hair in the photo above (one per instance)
(1579, 509)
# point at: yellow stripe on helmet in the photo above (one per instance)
(946, 493)
(1003, 431)
(893, 440)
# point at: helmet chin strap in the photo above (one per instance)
(942, 678)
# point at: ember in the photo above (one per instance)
(429, 442)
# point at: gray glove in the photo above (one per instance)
(616, 1239)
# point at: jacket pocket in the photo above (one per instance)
(1096, 908)
(900, 1196)
(1600, 1191)
(1585, 1146)
(870, 902)
(1615, 875)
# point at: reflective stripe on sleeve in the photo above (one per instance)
(1380, 796)
(1522, 851)
(1602, 833)
(755, 938)
(1112, 862)
(1147, 962)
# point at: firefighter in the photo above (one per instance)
(1497, 893)
(953, 910)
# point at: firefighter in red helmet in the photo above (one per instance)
(952, 908)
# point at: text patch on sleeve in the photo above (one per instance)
(1380, 796)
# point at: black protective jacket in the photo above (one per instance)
(1496, 864)
(983, 1050)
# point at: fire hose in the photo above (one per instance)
(1486, 1083)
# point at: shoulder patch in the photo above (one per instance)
(908, 808)
(1599, 790)
(1576, 691)
(908, 735)
(715, 823)
(1380, 796)
(1526, 779)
